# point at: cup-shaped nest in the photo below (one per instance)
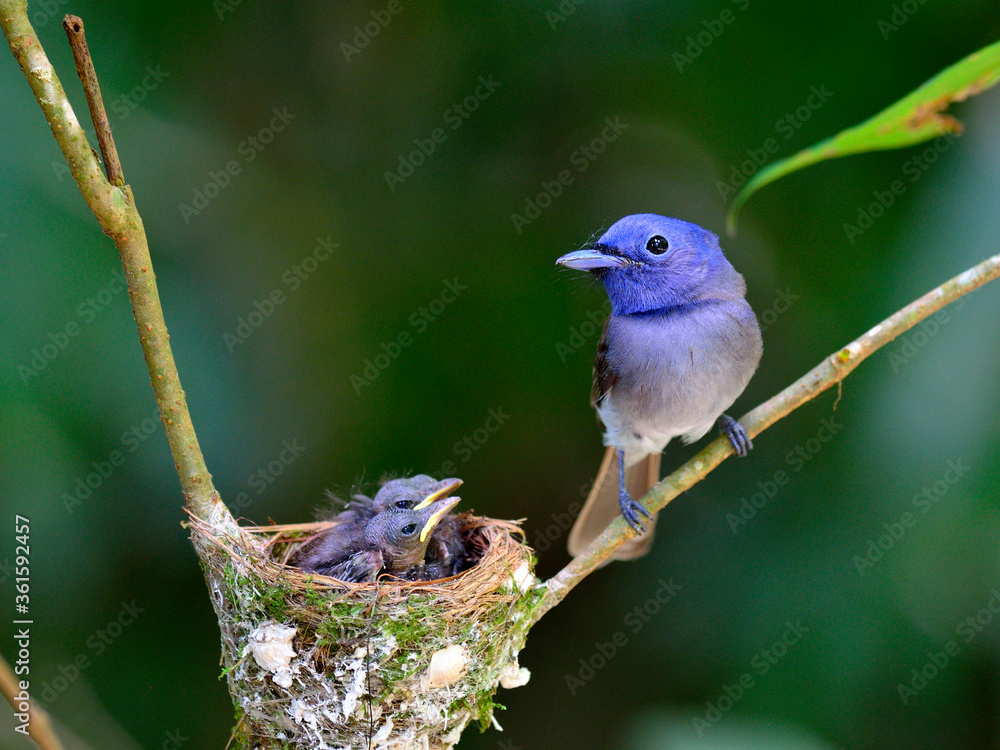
(313, 662)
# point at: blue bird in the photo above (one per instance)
(679, 347)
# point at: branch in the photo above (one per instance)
(114, 207)
(39, 728)
(827, 373)
(92, 88)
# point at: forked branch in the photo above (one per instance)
(114, 207)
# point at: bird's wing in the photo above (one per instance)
(604, 376)
(360, 567)
(326, 549)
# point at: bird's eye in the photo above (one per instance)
(403, 504)
(410, 528)
(657, 245)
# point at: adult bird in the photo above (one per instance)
(393, 542)
(408, 493)
(679, 347)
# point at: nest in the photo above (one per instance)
(313, 662)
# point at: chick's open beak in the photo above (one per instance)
(442, 489)
(438, 511)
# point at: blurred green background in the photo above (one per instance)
(189, 84)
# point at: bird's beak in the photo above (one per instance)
(589, 259)
(441, 509)
(442, 489)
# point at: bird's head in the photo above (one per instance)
(647, 262)
(413, 493)
(403, 535)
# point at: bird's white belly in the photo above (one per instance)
(642, 436)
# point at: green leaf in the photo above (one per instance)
(915, 118)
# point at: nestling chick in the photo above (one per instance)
(393, 542)
(446, 554)
(398, 494)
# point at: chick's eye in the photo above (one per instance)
(410, 528)
(403, 504)
(657, 245)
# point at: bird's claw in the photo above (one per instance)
(738, 437)
(630, 510)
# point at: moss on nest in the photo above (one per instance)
(313, 662)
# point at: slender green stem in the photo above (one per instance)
(39, 727)
(115, 210)
(832, 370)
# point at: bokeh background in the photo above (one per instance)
(189, 84)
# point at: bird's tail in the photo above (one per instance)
(602, 507)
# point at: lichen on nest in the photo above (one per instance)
(313, 662)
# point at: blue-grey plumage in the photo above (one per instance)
(680, 346)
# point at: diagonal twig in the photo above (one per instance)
(115, 210)
(92, 88)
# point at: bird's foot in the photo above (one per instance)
(733, 430)
(631, 510)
